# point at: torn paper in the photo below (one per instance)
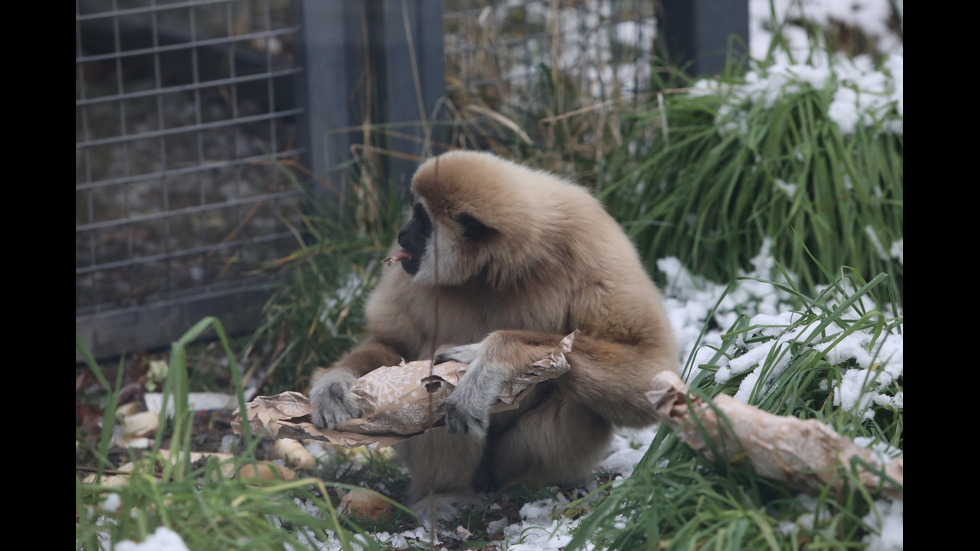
(802, 454)
(398, 402)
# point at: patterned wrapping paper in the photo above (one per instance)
(395, 401)
(404, 398)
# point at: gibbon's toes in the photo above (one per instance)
(460, 420)
(464, 354)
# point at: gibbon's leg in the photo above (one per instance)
(607, 378)
(552, 442)
(443, 464)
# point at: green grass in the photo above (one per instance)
(199, 500)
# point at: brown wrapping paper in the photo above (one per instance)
(398, 402)
(802, 454)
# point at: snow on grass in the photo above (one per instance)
(163, 539)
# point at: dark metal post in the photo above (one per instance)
(331, 52)
(396, 46)
(697, 33)
(411, 77)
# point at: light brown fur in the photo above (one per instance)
(555, 262)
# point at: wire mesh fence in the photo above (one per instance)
(182, 110)
(504, 50)
(520, 71)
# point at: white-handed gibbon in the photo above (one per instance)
(498, 263)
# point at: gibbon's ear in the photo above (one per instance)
(474, 231)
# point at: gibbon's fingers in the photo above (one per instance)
(330, 396)
(332, 402)
(463, 354)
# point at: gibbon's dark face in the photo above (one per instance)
(413, 237)
(465, 232)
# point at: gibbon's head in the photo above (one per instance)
(487, 221)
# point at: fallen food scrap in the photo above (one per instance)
(293, 453)
(266, 470)
(366, 504)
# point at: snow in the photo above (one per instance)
(163, 539)
(888, 519)
(859, 93)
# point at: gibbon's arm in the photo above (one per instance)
(368, 356)
(612, 378)
(606, 377)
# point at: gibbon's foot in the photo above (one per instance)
(332, 402)
(444, 508)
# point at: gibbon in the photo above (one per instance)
(498, 263)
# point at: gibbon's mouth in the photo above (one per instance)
(410, 263)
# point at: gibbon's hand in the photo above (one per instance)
(468, 407)
(332, 402)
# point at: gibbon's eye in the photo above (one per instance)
(473, 229)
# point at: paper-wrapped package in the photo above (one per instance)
(398, 402)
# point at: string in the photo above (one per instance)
(430, 442)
